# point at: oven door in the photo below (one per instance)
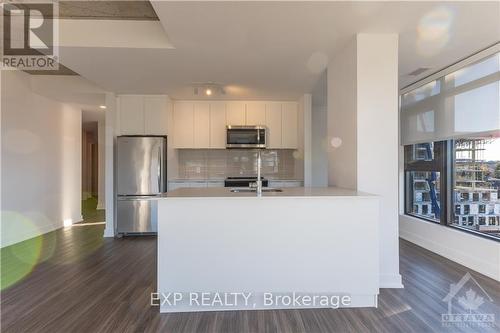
(246, 137)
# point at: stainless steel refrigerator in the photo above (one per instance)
(141, 169)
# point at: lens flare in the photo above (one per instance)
(433, 31)
(19, 259)
(336, 142)
(298, 155)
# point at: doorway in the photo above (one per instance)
(92, 169)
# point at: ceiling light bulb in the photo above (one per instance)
(102, 106)
(208, 92)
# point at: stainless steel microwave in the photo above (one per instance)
(245, 137)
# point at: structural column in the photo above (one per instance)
(363, 133)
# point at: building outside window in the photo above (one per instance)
(477, 184)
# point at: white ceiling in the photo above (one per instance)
(278, 50)
(71, 89)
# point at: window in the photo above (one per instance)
(473, 169)
(476, 185)
(424, 192)
(450, 129)
(424, 166)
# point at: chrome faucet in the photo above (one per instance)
(259, 180)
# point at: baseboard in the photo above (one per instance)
(391, 281)
(21, 237)
(449, 252)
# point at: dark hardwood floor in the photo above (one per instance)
(73, 280)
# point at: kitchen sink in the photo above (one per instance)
(253, 190)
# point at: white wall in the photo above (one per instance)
(101, 174)
(109, 151)
(319, 134)
(172, 154)
(363, 113)
(341, 118)
(303, 169)
(41, 161)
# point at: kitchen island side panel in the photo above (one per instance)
(317, 245)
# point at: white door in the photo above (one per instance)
(155, 115)
(218, 125)
(201, 125)
(183, 125)
(131, 110)
(256, 113)
(289, 127)
(273, 123)
(235, 113)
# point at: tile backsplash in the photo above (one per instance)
(221, 163)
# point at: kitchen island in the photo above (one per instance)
(220, 250)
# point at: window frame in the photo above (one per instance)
(444, 163)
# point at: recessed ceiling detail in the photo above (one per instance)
(63, 70)
(275, 50)
(419, 71)
(107, 10)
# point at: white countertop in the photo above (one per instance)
(222, 179)
(225, 192)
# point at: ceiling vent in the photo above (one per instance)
(419, 71)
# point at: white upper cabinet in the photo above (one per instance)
(273, 124)
(183, 125)
(289, 125)
(217, 125)
(131, 115)
(201, 125)
(142, 115)
(255, 113)
(155, 115)
(235, 113)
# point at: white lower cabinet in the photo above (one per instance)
(175, 184)
(285, 183)
(215, 183)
